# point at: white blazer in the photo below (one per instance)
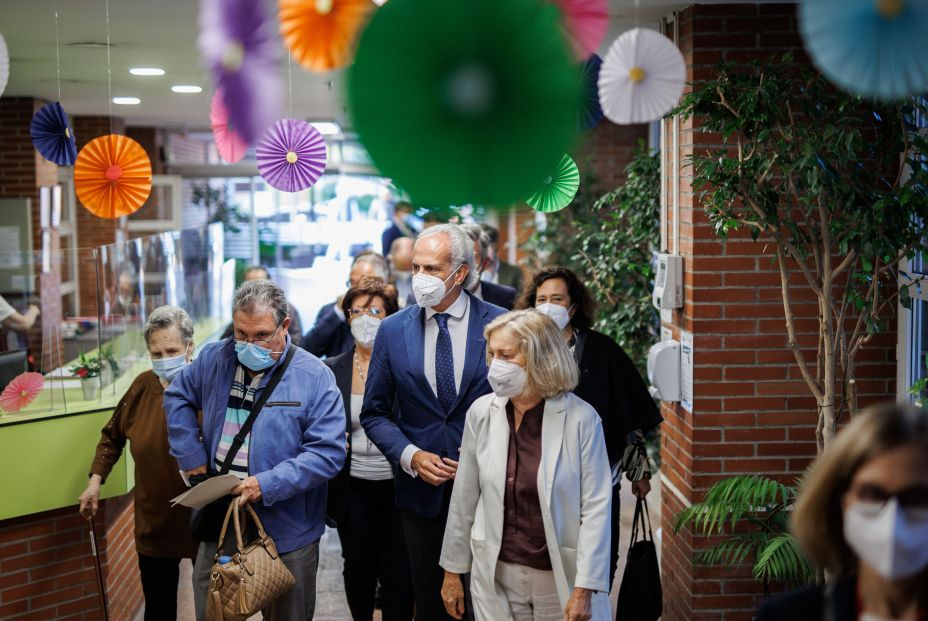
(574, 488)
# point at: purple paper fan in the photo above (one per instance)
(52, 134)
(291, 156)
(590, 112)
(238, 46)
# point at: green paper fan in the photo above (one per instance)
(558, 189)
(465, 101)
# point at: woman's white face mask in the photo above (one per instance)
(364, 329)
(558, 314)
(892, 540)
(507, 379)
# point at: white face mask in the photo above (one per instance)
(558, 314)
(507, 379)
(364, 329)
(430, 290)
(890, 539)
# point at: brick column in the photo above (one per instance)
(752, 412)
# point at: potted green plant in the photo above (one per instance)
(87, 368)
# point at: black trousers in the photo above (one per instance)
(159, 585)
(374, 547)
(423, 540)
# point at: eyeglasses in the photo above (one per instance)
(373, 311)
(875, 497)
(259, 340)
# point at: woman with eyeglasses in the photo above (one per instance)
(360, 500)
(862, 516)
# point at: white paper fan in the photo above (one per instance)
(641, 78)
(4, 65)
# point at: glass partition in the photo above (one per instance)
(68, 362)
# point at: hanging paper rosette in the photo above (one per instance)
(585, 22)
(21, 391)
(557, 189)
(873, 48)
(52, 134)
(4, 64)
(291, 156)
(457, 109)
(112, 176)
(642, 77)
(231, 146)
(237, 45)
(321, 33)
(590, 112)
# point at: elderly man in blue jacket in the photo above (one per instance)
(297, 442)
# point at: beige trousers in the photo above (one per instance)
(531, 593)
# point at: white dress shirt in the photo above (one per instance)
(459, 316)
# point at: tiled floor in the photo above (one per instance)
(330, 591)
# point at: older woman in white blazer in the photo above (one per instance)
(529, 515)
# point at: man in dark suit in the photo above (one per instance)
(429, 359)
(499, 272)
(330, 334)
(501, 295)
(398, 226)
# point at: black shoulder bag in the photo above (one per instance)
(640, 597)
(206, 522)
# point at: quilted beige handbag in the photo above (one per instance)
(253, 578)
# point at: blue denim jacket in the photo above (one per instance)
(297, 443)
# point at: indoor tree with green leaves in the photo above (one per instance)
(838, 188)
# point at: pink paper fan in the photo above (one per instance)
(291, 156)
(586, 22)
(20, 392)
(229, 143)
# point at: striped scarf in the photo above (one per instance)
(238, 409)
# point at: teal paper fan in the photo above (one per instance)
(558, 189)
(465, 101)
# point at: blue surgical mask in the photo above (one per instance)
(253, 356)
(168, 368)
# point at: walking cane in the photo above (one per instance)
(101, 585)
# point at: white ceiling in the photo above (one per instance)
(162, 33)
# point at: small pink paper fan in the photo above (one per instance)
(229, 143)
(586, 22)
(20, 392)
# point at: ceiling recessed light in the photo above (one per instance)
(187, 88)
(327, 128)
(127, 101)
(146, 71)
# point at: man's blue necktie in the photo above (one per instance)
(444, 365)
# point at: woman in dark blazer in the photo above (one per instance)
(609, 382)
(361, 497)
(862, 518)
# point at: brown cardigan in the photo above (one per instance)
(160, 530)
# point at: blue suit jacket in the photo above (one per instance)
(396, 374)
(330, 336)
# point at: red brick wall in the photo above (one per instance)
(607, 149)
(47, 572)
(753, 413)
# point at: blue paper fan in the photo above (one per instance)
(52, 134)
(590, 112)
(873, 48)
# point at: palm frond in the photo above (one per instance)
(781, 560)
(727, 502)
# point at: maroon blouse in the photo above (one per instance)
(523, 529)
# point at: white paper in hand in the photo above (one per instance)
(207, 491)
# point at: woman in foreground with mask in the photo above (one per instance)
(609, 382)
(360, 497)
(162, 532)
(529, 515)
(862, 516)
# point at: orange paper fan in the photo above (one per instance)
(321, 33)
(112, 176)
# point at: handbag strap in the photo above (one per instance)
(642, 518)
(247, 509)
(239, 438)
(233, 506)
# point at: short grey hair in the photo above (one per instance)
(377, 260)
(165, 317)
(254, 297)
(480, 237)
(550, 367)
(462, 248)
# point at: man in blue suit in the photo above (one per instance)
(430, 359)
